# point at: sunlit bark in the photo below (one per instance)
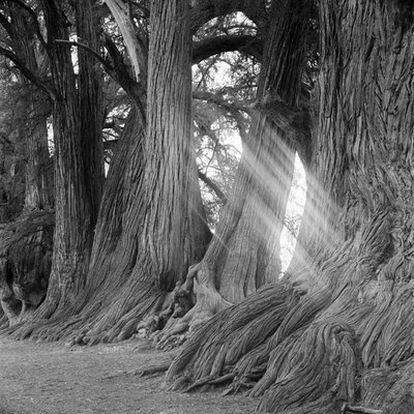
(308, 350)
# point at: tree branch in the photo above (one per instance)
(213, 46)
(7, 25)
(233, 108)
(118, 71)
(26, 72)
(104, 62)
(217, 100)
(121, 74)
(204, 10)
(211, 184)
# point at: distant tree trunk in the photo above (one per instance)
(150, 227)
(39, 192)
(348, 341)
(39, 165)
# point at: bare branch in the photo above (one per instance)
(212, 185)
(104, 62)
(118, 70)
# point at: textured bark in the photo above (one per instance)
(39, 165)
(150, 227)
(244, 252)
(90, 106)
(170, 228)
(26, 242)
(354, 320)
(169, 177)
(39, 176)
(76, 145)
(25, 261)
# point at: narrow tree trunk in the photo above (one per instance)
(39, 176)
(354, 322)
(39, 166)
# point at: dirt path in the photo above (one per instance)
(49, 378)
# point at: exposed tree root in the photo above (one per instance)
(193, 304)
(323, 360)
(307, 354)
(391, 388)
(25, 262)
(228, 335)
(210, 380)
(387, 334)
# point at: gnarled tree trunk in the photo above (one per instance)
(150, 227)
(309, 351)
(27, 241)
(244, 253)
(77, 138)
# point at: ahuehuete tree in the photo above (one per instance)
(26, 242)
(244, 252)
(337, 334)
(77, 127)
(151, 225)
(21, 32)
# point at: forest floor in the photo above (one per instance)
(46, 378)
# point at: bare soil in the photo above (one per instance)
(46, 378)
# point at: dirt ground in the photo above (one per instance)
(43, 378)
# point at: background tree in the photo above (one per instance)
(75, 189)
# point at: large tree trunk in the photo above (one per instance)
(309, 353)
(244, 252)
(90, 101)
(27, 241)
(77, 146)
(150, 227)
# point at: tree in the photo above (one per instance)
(77, 141)
(95, 306)
(340, 334)
(26, 242)
(37, 109)
(151, 223)
(244, 252)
